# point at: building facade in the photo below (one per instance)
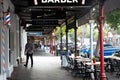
(12, 40)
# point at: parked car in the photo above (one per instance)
(115, 54)
(109, 49)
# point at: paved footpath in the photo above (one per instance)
(46, 67)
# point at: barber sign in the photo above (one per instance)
(64, 2)
(59, 1)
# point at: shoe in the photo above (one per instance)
(31, 65)
(25, 65)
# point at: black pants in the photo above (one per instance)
(27, 58)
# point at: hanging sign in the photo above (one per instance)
(63, 2)
(59, 1)
(48, 14)
(46, 22)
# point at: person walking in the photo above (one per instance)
(29, 50)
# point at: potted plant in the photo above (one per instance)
(94, 59)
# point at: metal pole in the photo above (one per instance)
(54, 41)
(91, 21)
(60, 37)
(75, 35)
(67, 40)
(91, 38)
(101, 18)
(66, 36)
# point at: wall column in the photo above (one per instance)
(9, 66)
(23, 42)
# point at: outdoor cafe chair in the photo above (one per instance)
(70, 63)
(117, 68)
(78, 69)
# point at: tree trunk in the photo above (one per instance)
(97, 49)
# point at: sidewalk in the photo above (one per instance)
(46, 67)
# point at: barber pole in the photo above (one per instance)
(3, 49)
(3, 32)
(7, 18)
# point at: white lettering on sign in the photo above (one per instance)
(59, 1)
(63, 1)
(52, 1)
(44, 1)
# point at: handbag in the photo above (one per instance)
(26, 52)
(30, 52)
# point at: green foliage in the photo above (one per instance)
(64, 30)
(118, 30)
(94, 58)
(95, 34)
(113, 19)
(57, 32)
(71, 34)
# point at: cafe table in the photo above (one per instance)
(91, 63)
(80, 58)
(83, 60)
(96, 64)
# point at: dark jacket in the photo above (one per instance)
(29, 48)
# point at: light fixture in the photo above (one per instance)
(83, 2)
(35, 2)
(27, 25)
